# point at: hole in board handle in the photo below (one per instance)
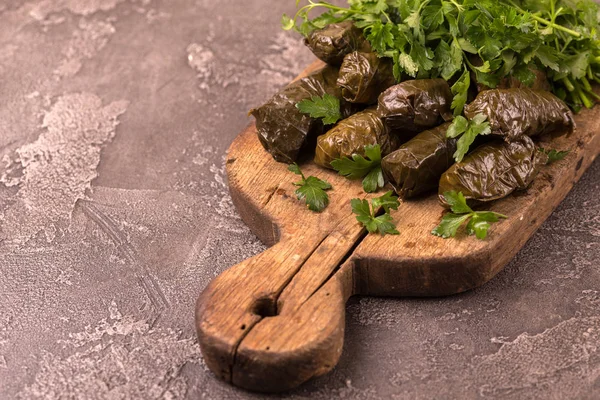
(265, 307)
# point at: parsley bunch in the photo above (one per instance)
(490, 39)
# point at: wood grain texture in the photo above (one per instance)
(277, 320)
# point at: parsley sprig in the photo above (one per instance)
(327, 108)
(367, 214)
(491, 39)
(479, 221)
(554, 155)
(468, 131)
(312, 190)
(368, 167)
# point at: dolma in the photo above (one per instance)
(513, 113)
(282, 129)
(350, 136)
(414, 106)
(417, 165)
(363, 76)
(332, 43)
(494, 170)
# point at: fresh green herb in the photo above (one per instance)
(460, 90)
(359, 167)
(468, 131)
(312, 190)
(490, 39)
(479, 221)
(326, 107)
(366, 214)
(555, 155)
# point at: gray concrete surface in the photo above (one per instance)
(114, 215)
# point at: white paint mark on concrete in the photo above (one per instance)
(567, 351)
(86, 42)
(82, 7)
(60, 165)
(283, 60)
(201, 59)
(120, 357)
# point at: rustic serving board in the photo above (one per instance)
(276, 320)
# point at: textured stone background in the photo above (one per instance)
(114, 215)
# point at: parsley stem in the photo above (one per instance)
(567, 43)
(387, 17)
(556, 26)
(554, 14)
(458, 6)
(568, 84)
(307, 8)
(594, 95)
(546, 22)
(586, 84)
(586, 100)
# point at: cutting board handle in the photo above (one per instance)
(276, 320)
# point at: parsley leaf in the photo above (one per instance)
(312, 190)
(287, 23)
(387, 201)
(460, 90)
(479, 221)
(554, 155)
(359, 167)
(373, 180)
(449, 58)
(468, 131)
(407, 64)
(380, 36)
(433, 16)
(457, 202)
(326, 107)
(449, 225)
(366, 214)
(549, 57)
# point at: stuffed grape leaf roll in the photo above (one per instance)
(351, 135)
(282, 129)
(416, 105)
(494, 170)
(332, 43)
(363, 76)
(417, 165)
(516, 112)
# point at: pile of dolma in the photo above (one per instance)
(409, 121)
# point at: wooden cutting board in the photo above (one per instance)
(276, 320)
